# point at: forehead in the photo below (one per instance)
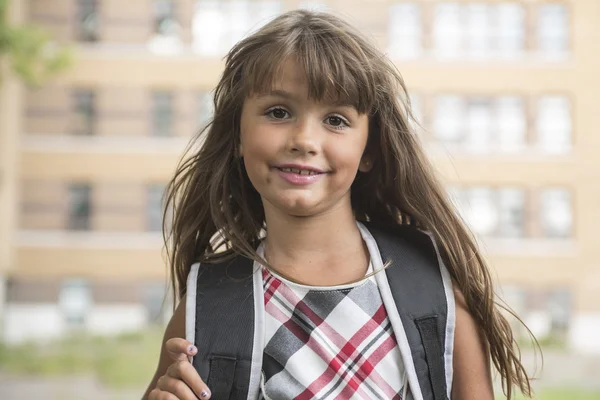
(290, 79)
(290, 74)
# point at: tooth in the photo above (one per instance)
(305, 172)
(296, 171)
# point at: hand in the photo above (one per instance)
(181, 381)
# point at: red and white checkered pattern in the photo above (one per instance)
(328, 343)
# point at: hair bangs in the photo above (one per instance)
(334, 69)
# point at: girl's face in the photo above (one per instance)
(301, 156)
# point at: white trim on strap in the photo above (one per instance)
(259, 331)
(450, 317)
(393, 315)
(190, 304)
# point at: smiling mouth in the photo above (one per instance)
(299, 171)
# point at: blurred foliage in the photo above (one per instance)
(552, 342)
(29, 51)
(122, 361)
(562, 394)
(129, 361)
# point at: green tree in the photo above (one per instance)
(28, 51)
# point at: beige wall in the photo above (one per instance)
(123, 111)
(57, 17)
(94, 262)
(119, 207)
(48, 111)
(125, 81)
(43, 205)
(116, 206)
(11, 101)
(103, 291)
(126, 22)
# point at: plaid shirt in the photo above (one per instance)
(328, 343)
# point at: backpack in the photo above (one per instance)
(225, 315)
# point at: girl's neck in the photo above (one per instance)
(323, 250)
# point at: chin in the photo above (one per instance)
(298, 207)
(300, 210)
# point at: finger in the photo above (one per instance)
(157, 394)
(175, 387)
(180, 349)
(186, 373)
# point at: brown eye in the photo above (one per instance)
(335, 121)
(277, 113)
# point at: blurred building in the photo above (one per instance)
(504, 92)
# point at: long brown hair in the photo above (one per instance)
(217, 213)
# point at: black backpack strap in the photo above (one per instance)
(224, 327)
(417, 286)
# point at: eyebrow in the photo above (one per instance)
(292, 96)
(279, 93)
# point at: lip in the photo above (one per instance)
(301, 166)
(297, 179)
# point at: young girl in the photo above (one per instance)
(310, 147)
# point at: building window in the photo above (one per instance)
(218, 25)
(547, 312)
(75, 301)
(458, 197)
(447, 30)
(554, 124)
(511, 124)
(510, 31)
(166, 39)
(448, 119)
(165, 20)
(209, 27)
(556, 213)
(154, 300)
(80, 209)
(405, 31)
(88, 21)
(511, 205)
(263, 11)
(492, 212)
(482, 213)
(560, 304)
(313, 5)
(84, 112)
(516, 298)
(479, 129)
(416, 108)
(239, 20)
(154, 208)
(162, 114)
(502, 212)
(205, 108)
(553, 30)
(478, 29)
(480, 124)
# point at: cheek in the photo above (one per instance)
(347, 155)
(258, 152)
(257, 148)
(261, 140)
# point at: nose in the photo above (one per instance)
(304, 138)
